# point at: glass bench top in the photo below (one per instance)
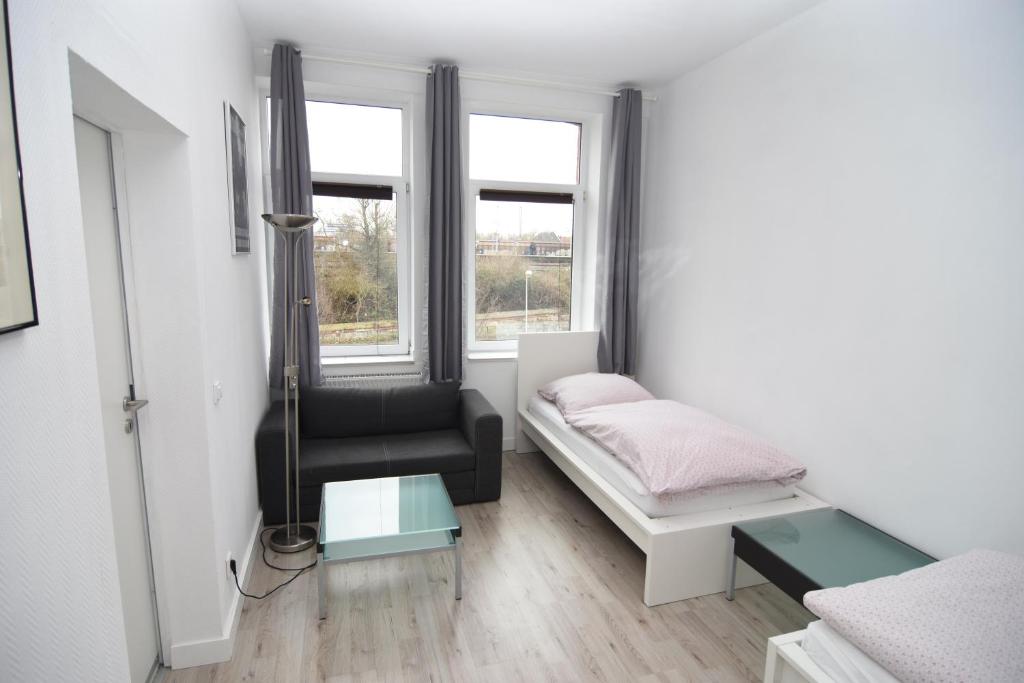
(385, 508)
(833, 548)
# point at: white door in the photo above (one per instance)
(113, 355)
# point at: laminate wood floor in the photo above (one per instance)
(552, 590)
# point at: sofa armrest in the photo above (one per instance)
(481, 426)
(270, 462)
(271, 430)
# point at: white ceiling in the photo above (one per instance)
(607, 42)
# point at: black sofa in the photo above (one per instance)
(363, 433)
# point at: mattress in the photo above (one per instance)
(841, 659)
(615, 472)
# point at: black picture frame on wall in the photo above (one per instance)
(238, 190)
(17, 286)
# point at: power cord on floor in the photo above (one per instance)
(298, 571)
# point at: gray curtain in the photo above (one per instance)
(292, 188)
(617, 306)
(444, 225)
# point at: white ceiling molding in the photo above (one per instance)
(590, 43)
(470, 75)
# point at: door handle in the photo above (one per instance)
(130, 405)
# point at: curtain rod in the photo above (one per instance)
(469, 75)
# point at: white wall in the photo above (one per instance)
(178, 61)
(831, 257)
(494, 376)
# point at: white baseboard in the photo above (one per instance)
(213, 650)
(508, 443)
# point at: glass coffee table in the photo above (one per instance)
(368, 519)
(819, 549)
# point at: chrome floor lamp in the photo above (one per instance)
(291, 538)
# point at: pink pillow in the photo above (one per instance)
(578, 392)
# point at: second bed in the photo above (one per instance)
(629, 485)
(686, 539)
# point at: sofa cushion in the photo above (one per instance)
(362, 457)
(444, 450)
(336, 412)
(356, 457)
(421, 408)
(452, 481)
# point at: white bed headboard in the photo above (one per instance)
(546, 356)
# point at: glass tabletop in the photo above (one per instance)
(373, 517)
(833, 548)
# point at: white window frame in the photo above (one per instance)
(581, 206)
(403, 230)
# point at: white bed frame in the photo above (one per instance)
(786, 661)
(688, 555)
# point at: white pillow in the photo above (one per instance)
(578, 392)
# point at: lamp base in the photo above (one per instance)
(292, 539)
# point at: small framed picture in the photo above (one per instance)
(17, 292)
(238, 206)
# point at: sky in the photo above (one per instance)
(347, 138)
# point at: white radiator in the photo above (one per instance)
(374, 380)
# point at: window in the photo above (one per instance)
(526, 188)
(524, 150)
(350, 138)
(357, 159)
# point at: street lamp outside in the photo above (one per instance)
(526, 301)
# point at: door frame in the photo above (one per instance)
(130, 308)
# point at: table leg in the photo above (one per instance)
(458, 567)
(730, 592)
(321, 584)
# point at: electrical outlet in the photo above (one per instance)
(218, 392)
(227, 564)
